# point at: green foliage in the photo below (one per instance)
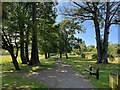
(94, 56)
(90, 48)
(112, 50)
(83, 55)
(47, 30)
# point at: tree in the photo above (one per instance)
(34, 53)
(67, 30)
(10, 36)
(47, 29)
(103, 15)
(21, 17)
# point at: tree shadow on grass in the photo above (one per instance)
(13, 82)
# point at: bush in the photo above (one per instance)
(94, 56)
(83, 55)
(6, 53)
(78, 53)
(111, 57)
(72, 53)
(53, 54)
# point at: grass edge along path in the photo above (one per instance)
(10, 82)
(7, 65)
(79, 64)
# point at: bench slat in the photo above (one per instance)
(90, 71)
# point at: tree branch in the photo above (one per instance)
(114, 13)
(84, 8)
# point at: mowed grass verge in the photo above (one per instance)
(13, 81)
(7, 65)
(80, 64)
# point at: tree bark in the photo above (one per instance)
(22, 51)
(26, 45)
(46, 55)
(106, 34)
(15, 63)
(9, 47)
(98, 41)
(34, 52)
(60, 54)
(26, 51)
(66, 55)
(14, 58)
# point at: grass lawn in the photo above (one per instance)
(7, 66)
(14, 81)
(80, 64)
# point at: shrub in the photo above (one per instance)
(83, 55)
(94, 56)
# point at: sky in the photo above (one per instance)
(89, 35)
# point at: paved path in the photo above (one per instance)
(62, 76)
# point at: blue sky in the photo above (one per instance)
(89, 36)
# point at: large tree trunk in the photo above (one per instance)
(9, 47)
(14, 58)
(66, 55)
(46, 55)
(98, 40)
(98, 36)
(15, 63)
(22, 51)
(106, 34)
(34, 52)
(26, 51)
(26, 46)
(60, 54)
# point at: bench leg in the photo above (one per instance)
(97, 74)
(90, 70)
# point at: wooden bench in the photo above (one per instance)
(90, 70)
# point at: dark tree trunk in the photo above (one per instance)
(34, 52)
(106, 34)
(9, 47)
(46, 55)
(98, 40)
(26, 51)
(15, 63)
(22, 51)
(66, 55)
(60, 54)
(14, 58)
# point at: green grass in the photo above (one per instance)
(7, 66)
(80, 64)
(15, 82)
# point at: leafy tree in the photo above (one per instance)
(90, 48)
(103, 16)
(47, 30)
(10, 35)
(67, 30)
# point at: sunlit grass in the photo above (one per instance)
(12, 82)
(7, 65)
(80, 64)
